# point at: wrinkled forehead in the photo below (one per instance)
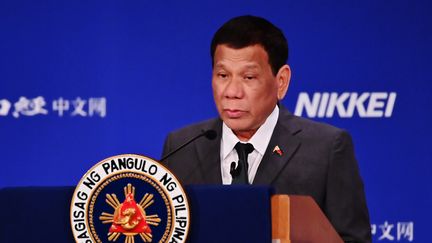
(249, 57)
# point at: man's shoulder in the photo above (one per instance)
(310, 129)
(305, 124)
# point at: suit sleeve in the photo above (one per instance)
(345, 197)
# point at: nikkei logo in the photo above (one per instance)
(366, 105)
(38, 106)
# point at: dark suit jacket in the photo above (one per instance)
(318, 160)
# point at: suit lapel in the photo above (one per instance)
(208, 152)
(284, 137)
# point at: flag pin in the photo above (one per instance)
(278, 150)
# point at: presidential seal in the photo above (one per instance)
(129, 198)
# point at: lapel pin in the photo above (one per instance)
(278, 150)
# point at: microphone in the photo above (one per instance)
(209, 134)
(233, 170)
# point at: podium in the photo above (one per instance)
(298, 219)
(218, 214)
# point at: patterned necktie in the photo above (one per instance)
(240, 174)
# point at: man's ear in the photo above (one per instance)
(283, 78)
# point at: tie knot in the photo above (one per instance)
(246, 148)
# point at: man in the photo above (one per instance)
(259, 142)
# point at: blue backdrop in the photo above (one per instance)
(84, 80)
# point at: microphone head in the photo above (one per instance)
(210, 134)
(233, 170)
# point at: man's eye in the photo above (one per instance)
(249, 77)
(222, 75)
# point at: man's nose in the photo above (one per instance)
(234, 89)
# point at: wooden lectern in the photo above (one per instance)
(298, 219)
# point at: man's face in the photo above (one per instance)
(244, 88)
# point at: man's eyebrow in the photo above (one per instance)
(219, 65)
(247, 66)
(252, 66)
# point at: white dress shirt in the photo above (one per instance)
(259, 140)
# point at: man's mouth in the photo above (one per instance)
(233, 113)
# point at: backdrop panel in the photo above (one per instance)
(81, 81)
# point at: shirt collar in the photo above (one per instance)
(259, 140)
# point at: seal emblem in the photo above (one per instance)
(129, 198)
(129, 217)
